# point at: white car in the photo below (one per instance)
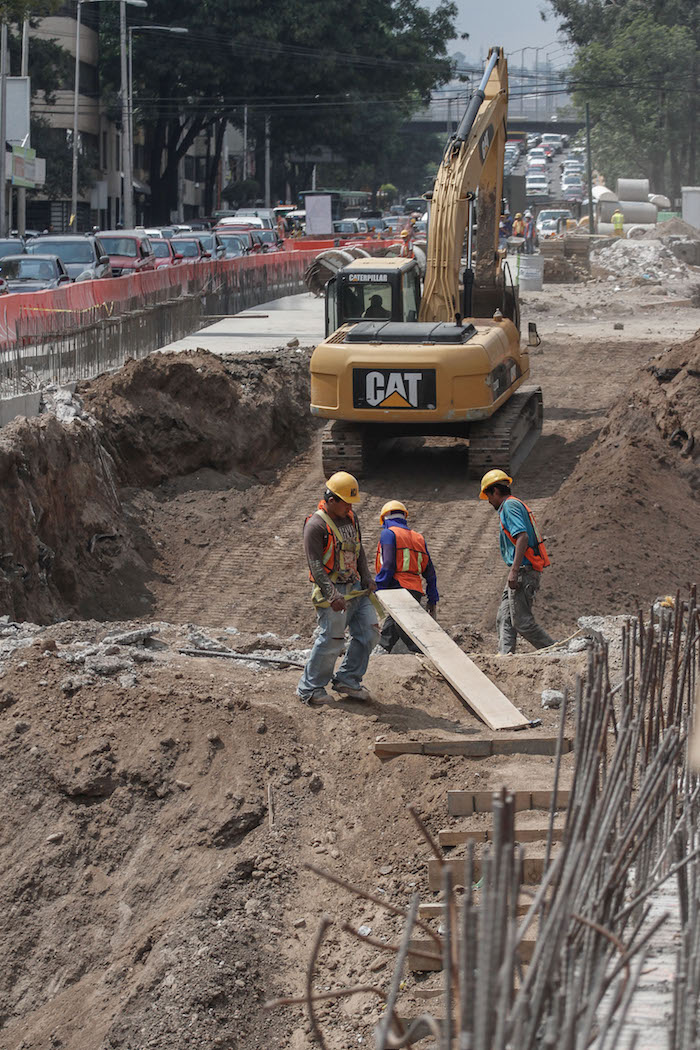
(548, 215)
(536, 156)
(536, 186)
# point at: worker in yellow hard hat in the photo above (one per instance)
(523, 551)
(342, 583)
(403, 560)
(406, 249)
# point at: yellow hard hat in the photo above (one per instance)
(404, 233)
(344, 486)
(490, 478)
(519, 215)
(393, 504)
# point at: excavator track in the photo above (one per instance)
(343, 447)
(507, 438)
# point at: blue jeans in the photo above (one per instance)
(361, 621)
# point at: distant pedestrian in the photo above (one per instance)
(523, 550)
(403, 560)
(618, 221)
(342, 583)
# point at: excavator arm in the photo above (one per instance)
(473, 160)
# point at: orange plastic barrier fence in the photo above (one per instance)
(116, 294)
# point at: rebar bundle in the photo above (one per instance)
(632, 823)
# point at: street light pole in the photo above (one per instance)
(76, 93)
(127, 215)
(3, 127)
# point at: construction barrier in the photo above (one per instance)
(31, 316)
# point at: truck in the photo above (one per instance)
(441, 357)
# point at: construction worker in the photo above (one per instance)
(529, 233)
(406, 249)
(618, 221)
(403, 561)
(518, 225)
(523, 551)
(342, 582)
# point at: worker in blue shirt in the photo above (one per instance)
(523, 551)
(403, 561)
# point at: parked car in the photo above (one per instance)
(266, 216)
(212, 243)
(189, 248)
(84, 258)
(164, 253)
(268, 240)
(236, 245)
(346, 227)
(11, 246)
(128, 252)
(33, 273)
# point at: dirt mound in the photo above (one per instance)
(672, 228)
(624, 526)
(172, 414)
(68, 544)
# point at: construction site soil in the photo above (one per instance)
(160, 807)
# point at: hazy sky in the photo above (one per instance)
(512, 24)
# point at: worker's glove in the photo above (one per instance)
(339, 604)
(432, 611)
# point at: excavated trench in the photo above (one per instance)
(70, 546)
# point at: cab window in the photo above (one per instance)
(369, 301)
(410, 298)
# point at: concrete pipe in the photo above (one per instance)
(659, 201)
(602, 193)
(633, 211)
(633, 190)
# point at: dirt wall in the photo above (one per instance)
(67, 545)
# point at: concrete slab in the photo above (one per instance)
(269, 326)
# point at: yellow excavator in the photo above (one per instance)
(444, 360)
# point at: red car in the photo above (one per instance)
(128, 252)
(189, 248)
(164, 252)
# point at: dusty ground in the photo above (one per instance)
(150, 897)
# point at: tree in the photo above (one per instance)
(637, 66)
(55, 146)
(312, 69)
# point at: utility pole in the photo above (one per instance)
(267, 162)
(3, 126)
(127, 176)
(21, 191)
(245, 143)
(591, 225)
(76, 93)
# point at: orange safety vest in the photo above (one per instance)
(539, 559)
(411, 558)
(335, 545)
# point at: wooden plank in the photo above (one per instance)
(543, 799)
(477, 691)
(533, 868)
(520, 744)
(436, 909)
(419, 964)
(448, 837)
(464, 803)
(460, 803)
(387, 748)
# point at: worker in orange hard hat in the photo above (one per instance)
(523, 551)
(403, 560)
(342, 584)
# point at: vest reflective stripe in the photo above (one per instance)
(411, 558)
(331, 552)
(539, 559)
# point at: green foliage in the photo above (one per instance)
(637, 67)
(15, 11)
(55, 146)
(339, 76)
(241, 193)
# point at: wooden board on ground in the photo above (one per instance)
(477, 691)
(421, 964)
(520, 744)
(448, 837)
(533, 870)
(464, 803)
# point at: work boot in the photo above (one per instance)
(317, 697)
(352, 692)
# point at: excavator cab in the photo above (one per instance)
(373, 290)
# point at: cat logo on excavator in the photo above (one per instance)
(382, 388)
